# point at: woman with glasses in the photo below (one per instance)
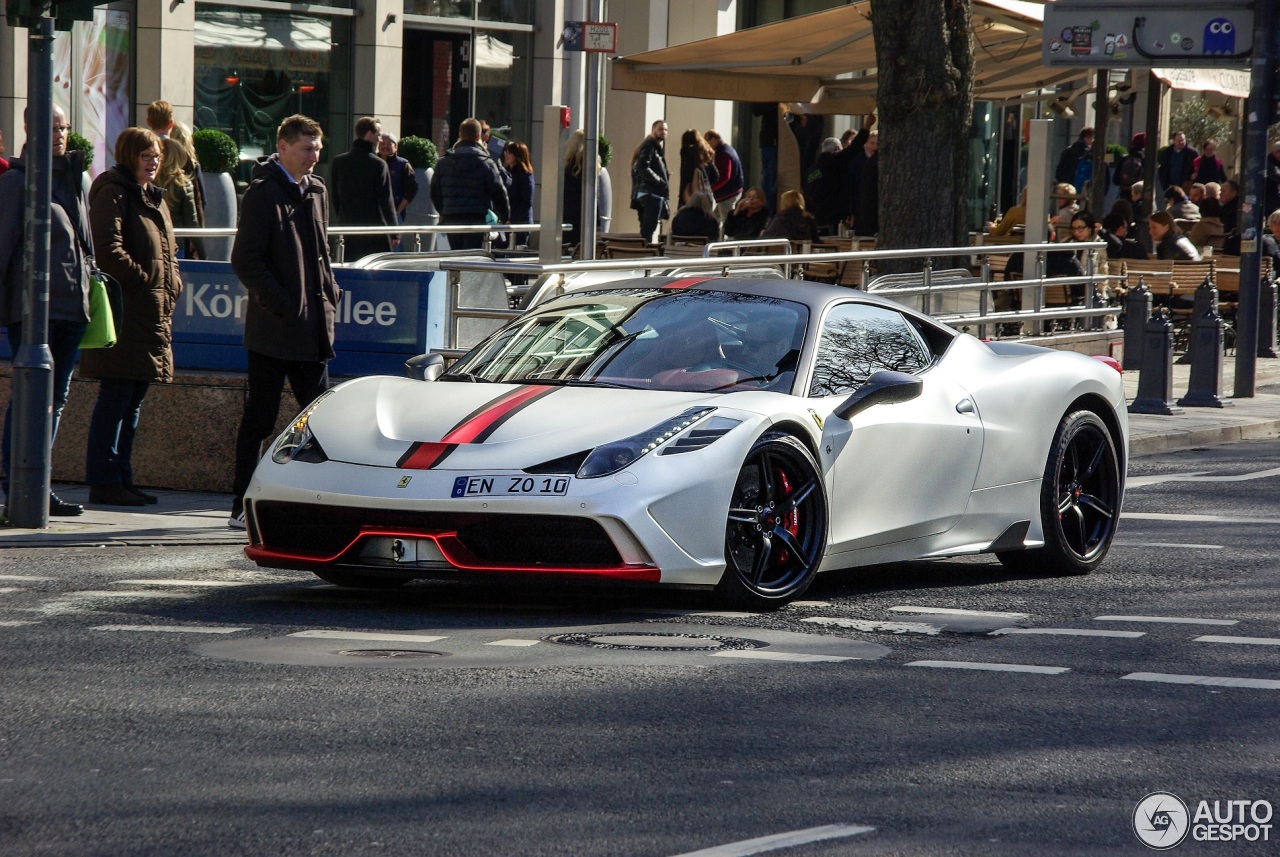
(134, 236)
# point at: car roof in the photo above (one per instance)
(816, 296)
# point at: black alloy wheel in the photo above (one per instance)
(777, 525)
(1079, 500)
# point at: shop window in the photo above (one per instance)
(255, 67)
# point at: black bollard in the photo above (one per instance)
(1206, 299)
(1267, 318)
(1206, 370)
(1155, 378)
(1137, 309)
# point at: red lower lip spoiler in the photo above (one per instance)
(455, 553)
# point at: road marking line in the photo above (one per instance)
(872, 626)
(14, 623)
(1205, 680)
(1167, 545)
(795, 657)
(974, 665)
(171, 629)
(810, 604)
(781, 840)
(1140, 481)
(365, 635)
(131, 593)
(23, 577)
(1194, 519)
(6, 589)
(171, 582)
(514, 643)
(726, 614)
(1178, 620)
(955, 611)
(1069, 632)
(1247, 641)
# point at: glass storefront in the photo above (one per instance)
(448, 76)
(93, 80)
(254, 67)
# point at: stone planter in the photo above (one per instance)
(220, 208)
(421, 211)
(604, 201)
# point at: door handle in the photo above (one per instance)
(965, 406)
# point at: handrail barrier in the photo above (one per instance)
(931, 284)
(337, 234)
(958, 297)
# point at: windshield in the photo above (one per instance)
(647, 339)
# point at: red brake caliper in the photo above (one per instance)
(792, 521)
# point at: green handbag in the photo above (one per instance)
(103, 329)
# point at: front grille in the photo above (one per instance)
(497, 540)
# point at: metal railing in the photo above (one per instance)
(984, 321)
(337, 234)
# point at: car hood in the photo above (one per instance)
(390, 422)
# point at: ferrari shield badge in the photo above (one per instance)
(817, 419)
(404, 481)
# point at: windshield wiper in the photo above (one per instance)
(577, 382)
(463, 376)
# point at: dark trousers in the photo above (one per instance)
(64, 343)
(109, 458)
(307, 379)
(471, 241)
(650, 213)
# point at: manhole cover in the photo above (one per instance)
(655, 642)
(391, 653)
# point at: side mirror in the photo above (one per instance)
(882, 388)
(424, 367)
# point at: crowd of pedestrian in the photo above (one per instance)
(282, 256)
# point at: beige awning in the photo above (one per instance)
(828, 59)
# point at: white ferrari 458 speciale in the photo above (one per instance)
(704, 432)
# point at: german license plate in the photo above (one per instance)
(510, 486)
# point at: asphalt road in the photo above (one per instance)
(171, 701)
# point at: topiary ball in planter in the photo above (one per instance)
(606, 150)
(75, 143)
(419, 151)
(216, 151)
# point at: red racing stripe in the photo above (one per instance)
(474, 428)
(481, 423)
(424, 455)
(686, 283)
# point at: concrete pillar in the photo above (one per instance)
(13, 85)
(377, 65)
(166, 52)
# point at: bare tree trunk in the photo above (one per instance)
(924, 61)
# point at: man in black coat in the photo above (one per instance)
(467, 185)
(362, 194)
(650, 181)
(1175, 163)
(281, 255)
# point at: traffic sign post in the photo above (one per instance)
(593, 38)
(32, 429)
(32, 402)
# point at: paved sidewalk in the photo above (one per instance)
(191, 518)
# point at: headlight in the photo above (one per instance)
(297, 441)
(612, 457)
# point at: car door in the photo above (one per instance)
(898, 471)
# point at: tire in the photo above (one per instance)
(361, 579)
(776, 532)
(1079, 500)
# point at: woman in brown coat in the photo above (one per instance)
(135, 244)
